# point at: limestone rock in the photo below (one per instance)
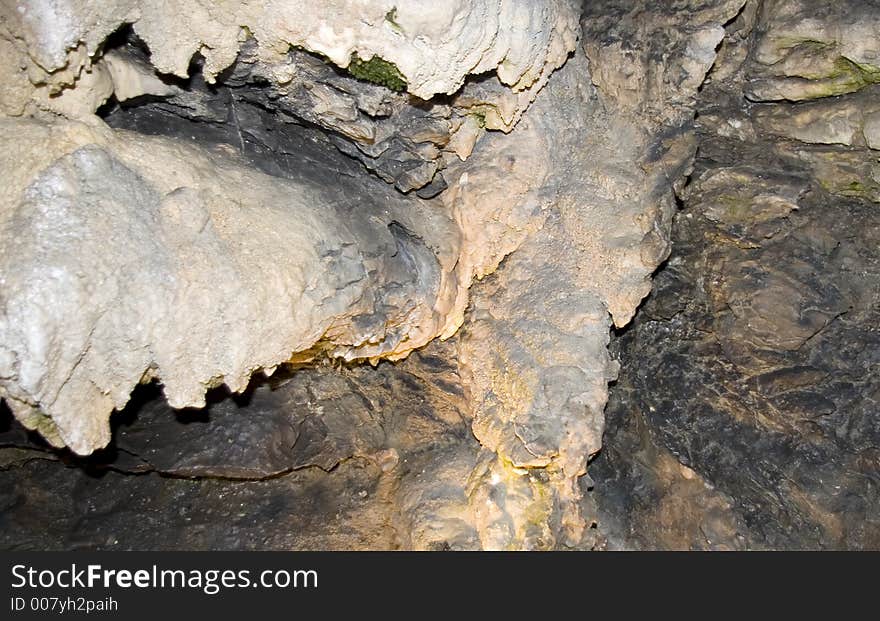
(432, 46)
(534, 351)
(471, 200)
(121, 258)
(751, 365)
(808, 49)
(761, 382)
(58, 46)
(850, 120)
(651, 58)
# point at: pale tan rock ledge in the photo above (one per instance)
(435, 46)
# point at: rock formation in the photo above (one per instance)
(123, 255)
(745, 417)
(368, 258)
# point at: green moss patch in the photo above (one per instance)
(378, 71)
(854, 76)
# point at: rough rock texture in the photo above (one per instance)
(651, 58)
(192, 200)
(61, 57)
(433, 47)
(746, 413)
(808, 49)
(122, 256)
(404, 142)
(130, 258)
(47, 507)
(538, 390)
(102, 317)
(581, 191)
(317, 458)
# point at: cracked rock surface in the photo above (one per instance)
(322, 458)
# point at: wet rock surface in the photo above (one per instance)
(111, 511)
(745, 414)
(311, 459)
(754, 365)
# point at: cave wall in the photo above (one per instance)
(396, 243)
(746, 416)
